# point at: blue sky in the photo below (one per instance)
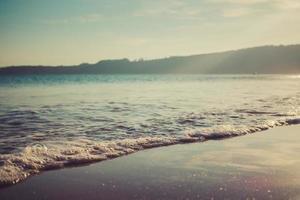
(63, 32)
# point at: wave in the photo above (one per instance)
(16, 167)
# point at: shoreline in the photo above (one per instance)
(267, 162)
(39, 158)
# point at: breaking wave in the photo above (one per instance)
(52, 155)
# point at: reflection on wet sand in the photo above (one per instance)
(259, 166)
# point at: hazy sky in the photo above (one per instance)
(74, 31)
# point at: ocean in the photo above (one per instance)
(53, 121)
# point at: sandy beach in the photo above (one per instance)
(263, 165)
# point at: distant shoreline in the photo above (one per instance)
(256, 60)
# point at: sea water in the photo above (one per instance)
(53, 121)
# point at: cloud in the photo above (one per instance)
(89, 18)
(282, 4)
(183, 13)
(176, 9)
(194, 10)
(236, 12)
(240, 8)
(288, 4)
(241, 2)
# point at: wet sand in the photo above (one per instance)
(264, 165)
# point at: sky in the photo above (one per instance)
(67, 32)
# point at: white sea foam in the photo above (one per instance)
(15, 167)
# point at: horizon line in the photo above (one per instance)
(151, 59)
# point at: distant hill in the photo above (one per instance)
(261, 60)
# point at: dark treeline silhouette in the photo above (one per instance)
(262, 60)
